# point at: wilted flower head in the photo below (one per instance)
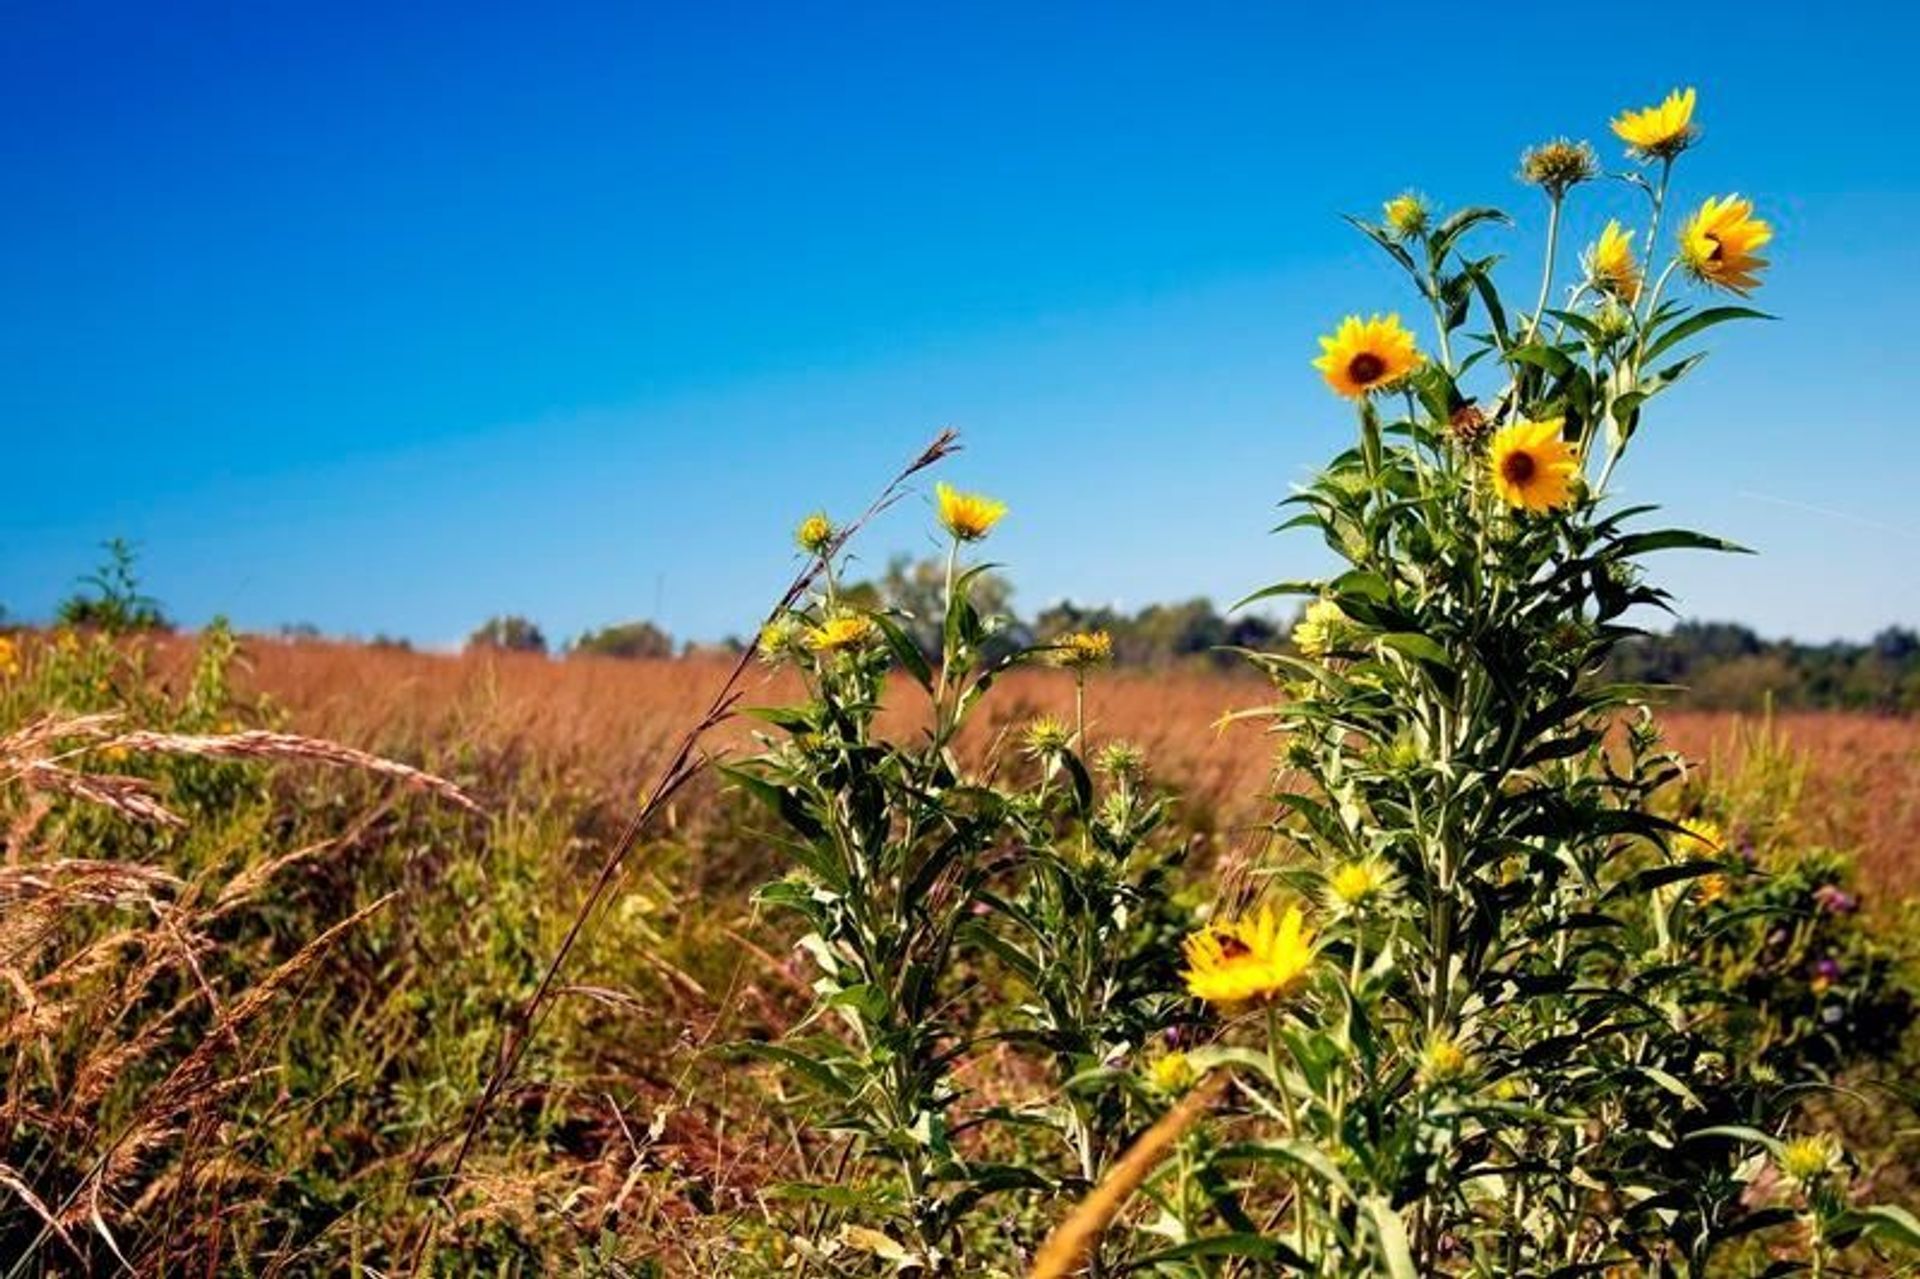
(1123, 760)
(1046, 737)
(843, 633)
(1077, 650)
(1322, 629)
(1659, 132)
(1806, 1161)
(1406, 214)
(967, 516)
(782, 639)
(1557, 167)
(815, 533)
(1720, 244)
(1835, 900)
(1258, 957)
(1468, 425)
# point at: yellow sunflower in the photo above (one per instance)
(968, 516)
(1532, 467)
(1719, 244)
(1363, 355)
(1659, 132)
(1255, 958)
(1611, 262)
(838, 634)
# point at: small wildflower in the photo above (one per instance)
(967, 516)
(1557, 167)
(1806, 1161)
(1659, 132)
(1825, 974)
(1703, 836)
(1079, 650)
(1046, 737)
(1123, 760)
(1712, 888)
(841, 634)
(1443, 1060)
(1720, 244)
(1322, 629)
(9, 657)
(1611, 264)
(1173, 1073)
(1364, 355)
(1354, 884)
(1613, 320)
(1406, 214)
(1259, 957)
(815, 533)
(781, 640)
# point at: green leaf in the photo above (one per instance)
(905, 651)
(1392, 1233)
(1697, 322)
(1418, 647)
(1238, 1244)
(820, 1073)
(1881, 1221)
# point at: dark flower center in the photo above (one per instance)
(1366, 367)
(1233, 948)
(1719, 249)
(1517, 467)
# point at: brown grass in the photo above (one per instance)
(612, 719)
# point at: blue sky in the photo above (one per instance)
(386, 318)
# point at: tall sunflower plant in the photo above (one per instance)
(1470, 1033)
(961, 905)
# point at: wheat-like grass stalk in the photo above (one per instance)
(1073, 1239)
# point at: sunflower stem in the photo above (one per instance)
(1546, 270)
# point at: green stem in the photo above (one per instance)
(1546, 270)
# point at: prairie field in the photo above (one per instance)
(610, 720)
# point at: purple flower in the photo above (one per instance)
(1835, 900)
(1825, 973)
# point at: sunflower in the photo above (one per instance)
(1354, 884)
(968, 516)
(1611, 263)
(1805, 1161)
(1659, 132)
(1256, 958)
(1532, 467)
(839, 634)
(1078, 650)
(1365, 354)
(1719, 244)
(1406, 214)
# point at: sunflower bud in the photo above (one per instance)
(815, 533)
(1406, 214)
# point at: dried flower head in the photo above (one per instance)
(1557, 167)
(1468, 425)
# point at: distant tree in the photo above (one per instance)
(299, 631)
(510, 632)
(111, 599)
(398, 643)
(916, 589)
(625, 639)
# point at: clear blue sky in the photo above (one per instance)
(387, 317)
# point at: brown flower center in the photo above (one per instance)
(1232, 947)
(1366, 368)
(1518, 467)
(1719, 249)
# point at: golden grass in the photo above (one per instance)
(610, 720)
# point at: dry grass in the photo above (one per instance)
(612, 720)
